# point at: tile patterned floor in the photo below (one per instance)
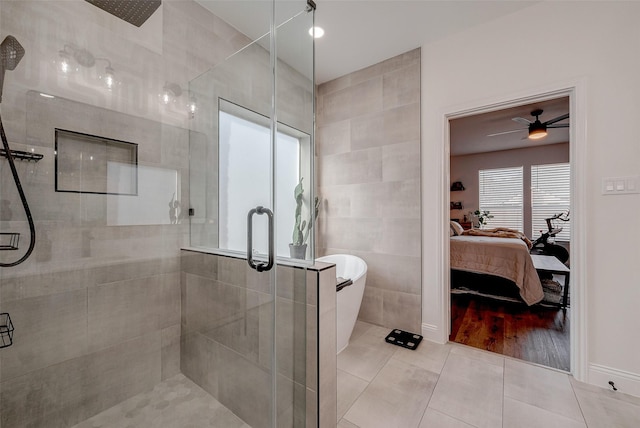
(175, 403)
(384, 386)
(454, 386)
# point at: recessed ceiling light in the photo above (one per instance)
(316, 32)
(46, 95)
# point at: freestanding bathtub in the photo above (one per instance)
(349, 298)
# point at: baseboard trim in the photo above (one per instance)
(432, 333)
(626, 382)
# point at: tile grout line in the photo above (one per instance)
(356, 376)
(354, 402)
(434, 388)
(553, 412)
(368, 384)
(578, 401)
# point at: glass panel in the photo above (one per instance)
(231, 125)
(294, 204)
(96, 307)
(108, 311)
(295, 109)
(243, 82)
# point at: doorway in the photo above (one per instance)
(500, 175)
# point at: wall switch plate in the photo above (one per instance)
(631, 184)
(607, 186)
(621, 185)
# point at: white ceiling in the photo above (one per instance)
(360, 33)
(469, 135)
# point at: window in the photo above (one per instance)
(244, 178)
(501, 194)
(550, 195)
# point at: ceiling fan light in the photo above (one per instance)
(537, 133)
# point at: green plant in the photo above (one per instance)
(482, 217)
(301, 227)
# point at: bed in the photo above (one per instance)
(504, 257)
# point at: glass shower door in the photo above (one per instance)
(156, 146)
(296, 210)
(251, 183)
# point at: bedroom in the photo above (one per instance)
(499, 301)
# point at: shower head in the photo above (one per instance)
(135, 12)
(11, 52)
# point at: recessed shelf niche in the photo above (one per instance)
(91, 164)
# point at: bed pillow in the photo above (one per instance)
(451, 231)
(456, 228)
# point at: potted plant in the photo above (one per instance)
(301, 228)
(483, 217)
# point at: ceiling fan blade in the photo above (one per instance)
(521, 120)
(557, 119)
(505, 132)
(559, 125)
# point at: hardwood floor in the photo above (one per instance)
(536, 334)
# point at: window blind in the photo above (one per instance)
(550, 195)
(501, 193)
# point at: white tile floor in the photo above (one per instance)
(453, 386)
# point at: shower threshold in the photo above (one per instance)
(174, 403)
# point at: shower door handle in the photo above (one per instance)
(259, 266)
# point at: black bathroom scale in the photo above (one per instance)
(403, 338)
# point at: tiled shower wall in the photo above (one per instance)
(97, 306)
(228, 331)
(368, 165)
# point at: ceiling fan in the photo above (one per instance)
(536, 128)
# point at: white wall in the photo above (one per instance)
(596, 43)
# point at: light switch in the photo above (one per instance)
(631, 184)
(621, 185)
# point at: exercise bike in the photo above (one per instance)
(542, 244)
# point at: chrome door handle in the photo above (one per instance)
(259, 266)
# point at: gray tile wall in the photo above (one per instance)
(368, 167)
(94, 291)
(97, 306)
(81, 350)
(227, 336)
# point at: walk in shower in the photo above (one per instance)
(165, 149)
